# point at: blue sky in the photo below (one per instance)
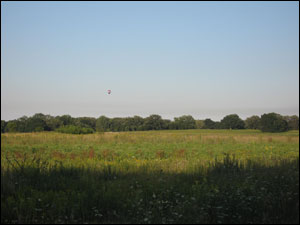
(205, 59)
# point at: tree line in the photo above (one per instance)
(270, 122)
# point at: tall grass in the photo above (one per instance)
(150, 177)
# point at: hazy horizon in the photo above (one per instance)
(205, 59)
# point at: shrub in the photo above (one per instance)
(71, 129)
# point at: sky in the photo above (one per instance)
(205, 59)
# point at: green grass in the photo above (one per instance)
(190, 176)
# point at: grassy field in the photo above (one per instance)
(190, 176)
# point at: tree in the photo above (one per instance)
(66, 120)
(200, 124)
(153, 122)
(273, 122)
(22, 124)
(37, 123)
(166, 124)
(172, 125)
(232, 121)
(209, 124)
(185, 122)
(3, 125)
(53, 123)
(116, 124)
(252, 122)
(87, 122)
(138, 122)
(218, 125)
(11, 126)
(293, 122)
(128, 124)
(103, 124)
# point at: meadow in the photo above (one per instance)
(171, 176)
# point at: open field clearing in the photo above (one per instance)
(180, 176)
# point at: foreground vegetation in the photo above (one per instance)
(191, 176)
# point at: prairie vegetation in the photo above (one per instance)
(180, 176)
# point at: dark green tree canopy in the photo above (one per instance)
(11, 126)
(35, 123)
(199, 124)
(185, 122)
(273, 122)
(252, 122)
(232, 121)
(66, 119)
(103, 124)
(209, 124)
(293, 122)
(3, 125)
(153, 122)
(88, 122)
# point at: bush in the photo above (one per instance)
(38, 129)
(71, 129)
